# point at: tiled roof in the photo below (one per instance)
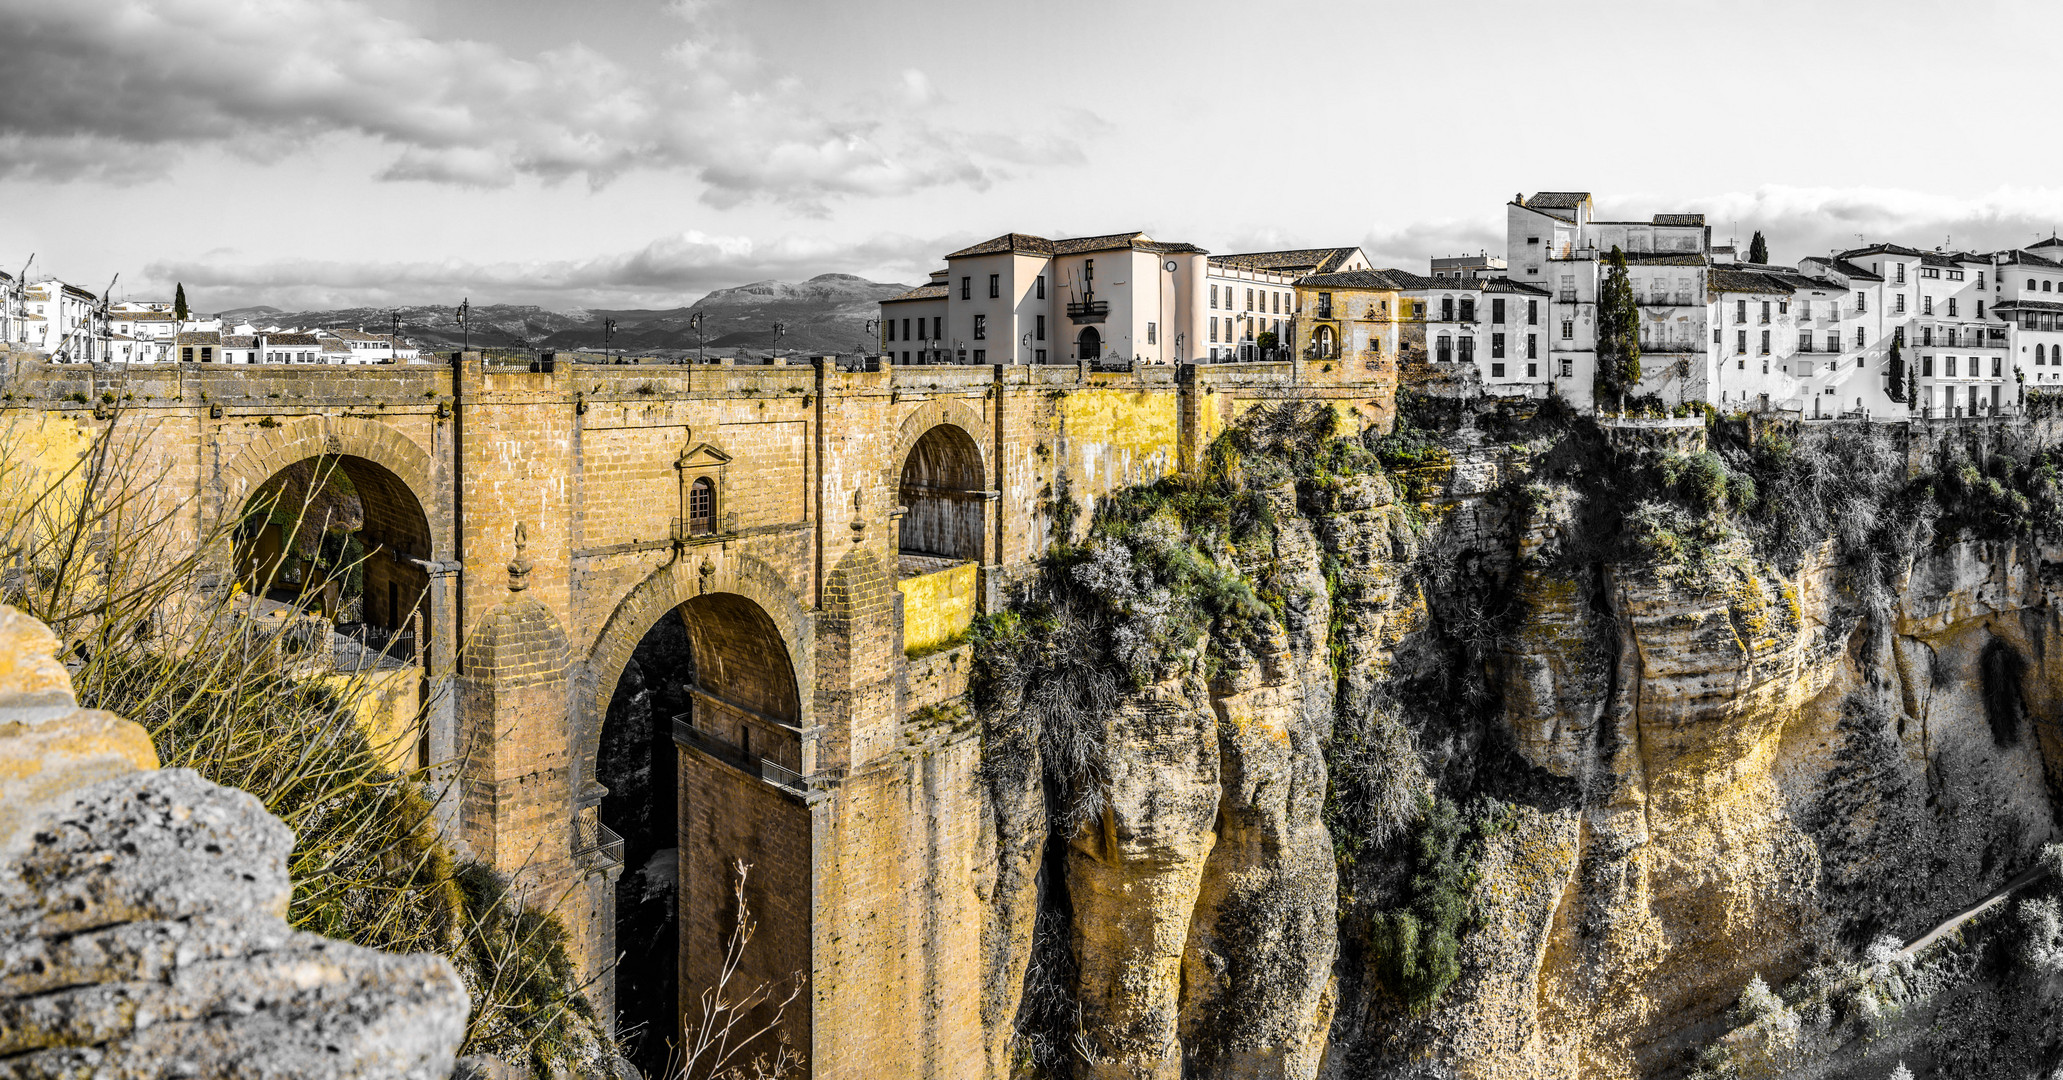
(921, 292)
(2027, 305)
(354, 335)
(334, 345)
(200, 337)
(1849, 270)
(1679, 219)
(1727, 279)
(2026, 258)
(290, 339)
(1307, 260)
(1886, 249)
(1369, 279)
(1556, 200)
(239, 341)
(1026, 244)
(147, 316)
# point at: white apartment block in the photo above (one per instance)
(2027, 292)
(1554, 242)
(60, 321)
(1495, 324)
(1936, 307)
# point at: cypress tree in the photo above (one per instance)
(1898, 380)
(1758, 248)
(1618, 334)
(179, 302)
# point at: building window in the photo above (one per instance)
(1468, 309)
(995, 286)
(1468, 350)
(1980, 306)
(938, 327)
(1040, 356)
(1040, 325)
(1834, 342)
(1532, 347)
(1926, 305)
(186, 354)
(1951, 367)
(1532, 371)
(1443, 351)
(1898, 303)
(1249, 299)
(1765, 311)
(1214, 296)
(1532, 313)
(1089, 271)
(701, 507)
(1996, 366)
(1150, 334)
(966, 288)
(1926, 335)
(1042, 288)
(1927, 366)
(1860, 340)
(1740, 311)
(981, 327)
(891, 329)
(1497, 371)
(1765, 343)
(1568, 329)
(981, 356)
(1497, 346)
(1568, 368)
(1446, 309)
(1951, 306)
(1497, 312)
(1740, 341)
(1898, 270)
(1214, 329)
(1862, 303)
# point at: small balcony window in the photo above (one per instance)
(701, 507)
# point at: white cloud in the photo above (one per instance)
(118, 89)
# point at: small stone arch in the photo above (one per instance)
(272, 450)
(665, 589)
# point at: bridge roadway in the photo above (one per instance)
(738, 531)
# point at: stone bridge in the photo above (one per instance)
(714, 612)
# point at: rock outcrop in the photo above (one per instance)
(142, 917)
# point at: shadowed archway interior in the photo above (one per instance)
(341, 534)
(716, 670)
(942, 497)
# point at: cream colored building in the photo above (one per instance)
(1021, 299)
(1255, 293)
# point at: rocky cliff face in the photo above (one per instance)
(1529, 747)
(142, 929)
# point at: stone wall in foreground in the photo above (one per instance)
(142, 929)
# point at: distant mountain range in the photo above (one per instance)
(826, 314)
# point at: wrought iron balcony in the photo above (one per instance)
(1088, 311)
(596, 847)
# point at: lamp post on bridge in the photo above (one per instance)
(779, 329)
(874, 328)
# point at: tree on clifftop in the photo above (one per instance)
(1618, 334)
(179, 302)
(1898, 381)
(1758, 248)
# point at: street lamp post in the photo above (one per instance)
(779, 329)
(695, 321)
(608, 333)
(874, 328)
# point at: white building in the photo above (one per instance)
(356, 347)
(1484, 265)
(1554, 242)
(61, 321)
(1496, 324)
(2027, 291)
(1020, 299)
(1936, 306)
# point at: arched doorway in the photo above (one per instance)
(942, 497)
(1089, 346)
(1326, 345)
(341, 536)
(706, 707)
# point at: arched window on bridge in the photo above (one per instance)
(942, 497)
(701, 507)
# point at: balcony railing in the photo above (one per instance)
(1084, 311)
(596, 847)
(1565, 296)
(1663, 299)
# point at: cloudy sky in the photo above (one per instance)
(641, 152)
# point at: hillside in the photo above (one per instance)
(826, 314)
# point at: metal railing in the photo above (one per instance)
(596, 847)
(1088, 309)
(775, 773)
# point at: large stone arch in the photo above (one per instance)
(301, 438)
(667, 588)
(929, 415)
